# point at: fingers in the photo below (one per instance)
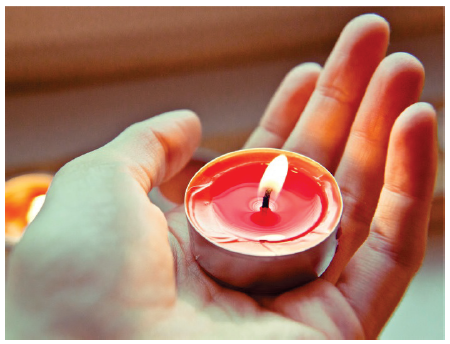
(396, 84)
(379, 273)
(155, 149)
(285, 107)
(325, 123)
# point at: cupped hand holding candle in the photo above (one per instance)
(120, 268)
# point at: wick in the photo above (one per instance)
(266, 198)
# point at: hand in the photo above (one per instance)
(101, 261)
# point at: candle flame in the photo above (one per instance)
(35, 207)
(274, 177)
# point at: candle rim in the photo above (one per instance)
(278, 151)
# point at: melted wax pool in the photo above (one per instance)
(228, 207)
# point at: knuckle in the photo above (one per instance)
(370, 137)
(357, 209)
(407, 255)
(137, 132)
(149, 139)
(334, 92)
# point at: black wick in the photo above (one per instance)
(266, 198)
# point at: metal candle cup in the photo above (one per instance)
(234, 241)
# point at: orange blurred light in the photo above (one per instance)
(24, 197)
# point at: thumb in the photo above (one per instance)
(98, 247)
(152, 150)
(158, 148)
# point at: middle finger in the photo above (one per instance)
(321, 132)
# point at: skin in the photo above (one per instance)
(101, 261)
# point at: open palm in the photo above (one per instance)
(96, 262)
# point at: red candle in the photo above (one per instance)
(263, 234)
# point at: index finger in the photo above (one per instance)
(285, 107)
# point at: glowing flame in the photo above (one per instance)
(35, 206)
(274, 177)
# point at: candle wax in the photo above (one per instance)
(224, 206)
(298, 208)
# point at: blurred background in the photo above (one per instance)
(77, 76)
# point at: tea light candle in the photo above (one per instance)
(24, 197)
(263, 220)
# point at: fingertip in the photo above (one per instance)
(179, 131)
(360, 48)
(192, 121)
(416, 128)
(406, 60)
(155, 149)
(412, 152)
(183, 115)
(187, 114)
(305, 73)
(369, 20)
(398, 81)
(367, 32)
(306, 68)
(186, 121)
(405, 64)
(417, 119)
